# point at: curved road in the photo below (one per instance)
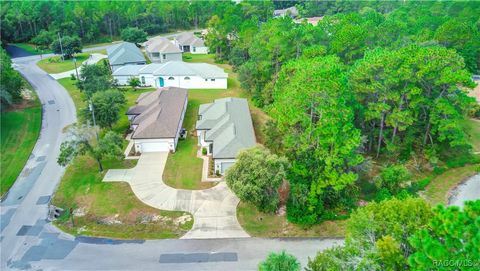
(28, 241)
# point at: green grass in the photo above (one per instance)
(82, 188)
(31, 48)
(472, 130)
(259, 224)
(20, 128)
(437, 191)
(199, 58)
(55, 64)
(78, 97)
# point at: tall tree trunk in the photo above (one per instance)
(99, 164)
(380, 134)
(427, 133)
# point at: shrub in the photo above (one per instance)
(280, 262)
(72, 77)
(204, 151)
(393, 178)
(382, 194)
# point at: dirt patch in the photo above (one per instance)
(111, 220)
(182, 219)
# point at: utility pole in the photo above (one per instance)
(61, 47)
(76, 70)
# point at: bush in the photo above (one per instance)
(280, 262)
(393, 178)
(439, 170)
(383, 194)
(204, 151)
(72, 77)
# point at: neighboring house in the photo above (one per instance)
(125, 53)
(174, 74)
(189, 43)
(311, 20)
(291, 11)
(224, 128)
(156, 119)
(161, 50)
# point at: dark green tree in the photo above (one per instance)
(134, 34)
(69, 45)
(107, 105)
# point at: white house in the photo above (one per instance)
(157, 118)
(161, 50)
(174, 74)
(189, 43)
(224, 128)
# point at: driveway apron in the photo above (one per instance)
(213, 209)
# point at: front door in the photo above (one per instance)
(161, 82)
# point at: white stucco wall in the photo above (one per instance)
(195, 82)
(168, 57)
(199, 50)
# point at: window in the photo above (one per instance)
(156, 54)
(206, 80)
(164, 56)
(194, 49)
(186, 78)
(171, 78)
(199, 117)
(213, 80)
(143, 80)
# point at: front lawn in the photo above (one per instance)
(55, 64)
(437, 191)
(472, 130)
(259, 224)
(20, 127)
(31, 48)
(111, 210)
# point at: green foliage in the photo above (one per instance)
(393, 178)
(377, 237)
(256, 176)
(450, 241)
(68, 45)
(134, 34)
(107, 105)
(204, 151)
(94, 78)
(84, 142)
(11, 82)
(43, 39)
(311, 107)
(280, 262)
(134, 82)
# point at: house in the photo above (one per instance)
(291, 11)
(174, 74)
(161, 50)
(189, 43)
(311, 20)
(224, 128)
(156, 119)
(125, 53)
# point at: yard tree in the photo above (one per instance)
(11, 82)
(256, 176)
(311, 106)
(69, 44)
(280, 262)
(393, 178)
(94, 78)
(134, 34)
(43, 39)
(107, 105)
(377, 237)
(450, 240)
(134, 82)
(83, 141)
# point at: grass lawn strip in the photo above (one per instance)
(472, 130)
(31, 48)
(259, 224)
(55, 64)
(20, 127)
(111, 209)
(438, 189)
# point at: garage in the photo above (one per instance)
(154, 147)
(224, 166)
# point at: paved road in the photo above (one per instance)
(468, 190)
(27, 241)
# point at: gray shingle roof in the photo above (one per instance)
(229, 126)
(190, 39)
(161, 45)
(173, 68)
(123, 53)
(158, 113)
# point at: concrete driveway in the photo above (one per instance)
(214, 209)
(94, 58)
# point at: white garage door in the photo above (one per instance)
(155, 147)
(225, 166)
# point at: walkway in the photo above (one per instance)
(214, 209)
(94, 58)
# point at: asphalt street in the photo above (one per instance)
(29, 242)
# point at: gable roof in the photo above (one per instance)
(173, 68)
(190, 39)
(161, 45)
(229, 126)
(125, 52)
(158, 113)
